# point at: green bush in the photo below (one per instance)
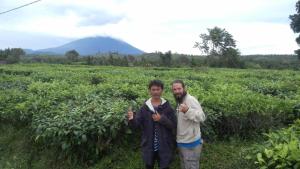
(281, 149)
(84, 128)
(56, 100)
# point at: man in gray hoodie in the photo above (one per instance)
(189, 115)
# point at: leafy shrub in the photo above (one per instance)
(281, 149)
(85, 127)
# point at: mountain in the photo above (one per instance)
(92, 46)
(28, 51)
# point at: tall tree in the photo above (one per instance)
(220, 48)
(215, 42)
(166, 58)
(72, 55)
(295, 25)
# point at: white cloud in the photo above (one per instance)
(259, 26)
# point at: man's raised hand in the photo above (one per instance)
(130, 114)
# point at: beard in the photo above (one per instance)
(179, 99)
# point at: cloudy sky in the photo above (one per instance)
(259, 26)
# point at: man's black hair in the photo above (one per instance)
(156, 83)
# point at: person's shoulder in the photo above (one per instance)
(165, 103)
(144, 106)
(167, 107)
(191, 98)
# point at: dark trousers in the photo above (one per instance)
(155, 158)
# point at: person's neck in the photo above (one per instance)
(156, 101)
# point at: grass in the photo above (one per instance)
(17, 151)
(217, 155)
(14, 149)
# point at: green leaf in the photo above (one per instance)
(269, 153)
(260, 159)
(83, 138)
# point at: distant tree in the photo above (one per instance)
(166, 58)
(89, 60)
(3, 56)
(215, 42)
(193, 62)
(72, 55)
(17, 52)
(12, 55)
(220, 48)
(131, 59)
(144, 61)
(111, 60)
(231, 58)
(295, 25)
(125, 61)
(184, 60)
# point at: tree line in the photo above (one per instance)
(12, 55)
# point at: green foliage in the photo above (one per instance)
(295, 25)
(177, 60)
(96, 80)
(18, 151)
(85, 127)
(219, 45)
(231, 58)
(72, 55)
(215, 42)
(166, 58)
(80, 110)
(12, 55)
(298, 52)
(280, 150)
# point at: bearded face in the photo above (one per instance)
(179, 92)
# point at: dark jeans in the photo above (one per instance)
(155, 158)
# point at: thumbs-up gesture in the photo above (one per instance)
(156, 116)
(183, 108)
(130, 114)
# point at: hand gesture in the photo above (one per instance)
(130, 114)
(183, 108)
(156, 116)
